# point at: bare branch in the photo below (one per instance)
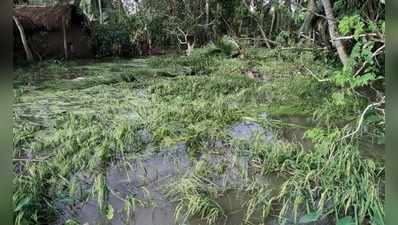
(376, 53)
(313, 75)
(369, 107)
(362, 35)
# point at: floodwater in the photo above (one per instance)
(248, 130)
(371, 150)
(295, 132)
(147, 178)
(144, 179)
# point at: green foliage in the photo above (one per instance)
(124, 35)
(32, 196)
(352, 23)
(364, 68)
(227, 46)
(347, 80)
(310, 217)
(334, 180)
(362, 58)
(260, 200)
(109, 212)
(111, 40)
(100, 191)
(195, 197)
(345, 221)
(120, 36)
(54, 145)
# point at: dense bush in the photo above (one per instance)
(113, 39)
(128, 35)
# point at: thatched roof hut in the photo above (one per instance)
(52, 30)
(45, 18)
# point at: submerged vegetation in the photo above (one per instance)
(74, 119)
(236, 112)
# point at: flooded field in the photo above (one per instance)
(152, 142)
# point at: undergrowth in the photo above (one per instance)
(331, 179)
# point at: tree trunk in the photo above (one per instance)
(100, 11)
(265, 38)
(29, 55)
(207, 15)
(207, 20)
(272, 22)
(190, 48)
(64, 37)
(306, 26)
(278, 22)
(338, 44)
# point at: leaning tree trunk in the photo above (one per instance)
(29, 55)
(265, 38)
(338, 44)
(272, 22)
(306, 26)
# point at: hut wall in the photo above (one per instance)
(45, 36)
(51, 45)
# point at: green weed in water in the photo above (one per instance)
(74, 118)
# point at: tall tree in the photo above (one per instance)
(334, 35)
(306, 26)
(207, 11)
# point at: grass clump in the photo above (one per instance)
(79, 144)
(195, 196)
(194, 200)
(189, 108)
(332, 179)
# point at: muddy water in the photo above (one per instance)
(147, 178)
(294, 132)
(372, 151)
(248, 130)
(144, 179)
